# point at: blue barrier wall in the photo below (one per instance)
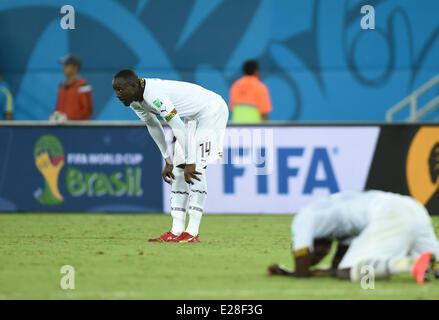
(316, 60)
(265, 169)
(88, 169)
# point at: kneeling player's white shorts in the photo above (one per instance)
(209, 134)
(392, 231)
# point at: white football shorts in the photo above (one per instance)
(209, 134)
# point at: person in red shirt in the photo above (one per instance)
(75, 100)
(249, 97)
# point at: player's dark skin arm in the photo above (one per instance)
(8, 116)
(339, 254)
(303, 264)
(332, 271)
(304, 259)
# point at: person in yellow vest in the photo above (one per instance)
(6, 101)
(249, 97)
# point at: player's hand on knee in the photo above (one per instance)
(190, 173)
(167, 174)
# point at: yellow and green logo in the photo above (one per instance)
(49, 160)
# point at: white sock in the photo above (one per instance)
(194, 221)
(401, 265)
(178, 221)
(197, 198)
(179, 197)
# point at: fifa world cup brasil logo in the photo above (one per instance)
(49, 160)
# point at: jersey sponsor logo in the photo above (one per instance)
(422, 165)
(170, 115)
(157, 103)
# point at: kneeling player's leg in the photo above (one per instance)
(381, 245)
(421, 267)
(198, 195)
(179, 197)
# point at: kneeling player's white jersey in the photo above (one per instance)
(340, 216)
(168, 98)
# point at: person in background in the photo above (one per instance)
(6, 100)
(75, 100)
(249, 97)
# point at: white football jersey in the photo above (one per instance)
(342, 216)
(168, 98)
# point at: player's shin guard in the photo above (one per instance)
(179, 197)
(197, 198)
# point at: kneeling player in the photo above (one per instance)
(199, 140)
(389, 232)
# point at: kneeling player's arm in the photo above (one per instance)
(322, 273)
(156, 131)
(339, 254)
(303, 238)
(303, 259)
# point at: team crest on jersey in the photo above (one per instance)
(171, 115)
(157, 103)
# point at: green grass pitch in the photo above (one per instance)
(113, 260)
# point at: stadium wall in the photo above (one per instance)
(318, 63)
(108, 167)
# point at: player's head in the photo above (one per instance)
(126, 85)
(251, 67)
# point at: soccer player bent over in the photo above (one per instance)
(390, 232)
(199, 140)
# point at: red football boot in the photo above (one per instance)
(166, 237)
(423, 267)
(187, 237)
